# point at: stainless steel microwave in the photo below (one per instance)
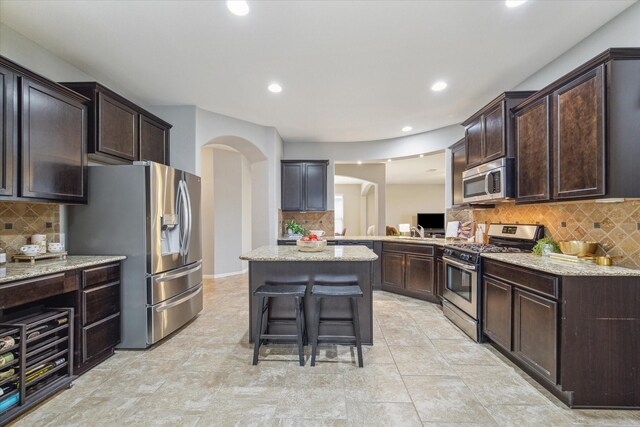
(489, 182)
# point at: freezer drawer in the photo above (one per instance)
(167, 285)
(169, 316)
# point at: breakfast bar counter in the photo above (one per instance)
(286, 264)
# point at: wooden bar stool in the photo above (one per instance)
(337, 289)
(277, 290)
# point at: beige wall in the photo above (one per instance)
(404, 201)
(352, 207)
(374, 173)
(371, 212)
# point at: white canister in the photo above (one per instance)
(40, 240)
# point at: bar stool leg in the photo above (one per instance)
(258, 333)
(299, 327)
(314, 340)
(356, 328)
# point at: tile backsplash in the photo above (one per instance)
(309, 220)
(616, 226)
(19, 220)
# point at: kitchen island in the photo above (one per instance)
(285, 264)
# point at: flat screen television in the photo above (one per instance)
(431, 221)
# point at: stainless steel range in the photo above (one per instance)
(462, 302)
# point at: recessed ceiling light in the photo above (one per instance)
(388, 160)
(421, 155)
(438, 86)
(514, 3)
(238, 7)
(406, 129)
(359, 162)
(275, 88)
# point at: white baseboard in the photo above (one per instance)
(219, 276)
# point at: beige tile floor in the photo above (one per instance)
(421, 371)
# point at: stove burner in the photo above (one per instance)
(476, 247)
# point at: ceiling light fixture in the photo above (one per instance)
(238, 7)
(421, 155)
(514, 3)
(275, 88)
(359, 162)
(438, 86)
(406, 129)
(388, 160)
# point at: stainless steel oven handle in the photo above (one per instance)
(459, 264)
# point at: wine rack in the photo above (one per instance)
(42, 360)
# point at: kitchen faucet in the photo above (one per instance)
(419, 230)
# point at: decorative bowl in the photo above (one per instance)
(55, 247)
(578, 247)
(30, 250)
(311, 246)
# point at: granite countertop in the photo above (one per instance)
(291, 253)
(24, 270)
(561, 268)
(397, 239)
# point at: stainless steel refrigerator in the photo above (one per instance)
(150, 213)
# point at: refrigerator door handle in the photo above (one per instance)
(173, 276)
(179, 207)
(189, 216)
(184, 216)
(190, 295)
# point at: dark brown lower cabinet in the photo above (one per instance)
(535, 332)
(496, 311)
(409, 269)
(439, 276)
(578, 336)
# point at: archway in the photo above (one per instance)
(355, 206)
(234, 175)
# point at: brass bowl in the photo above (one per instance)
(578, 247)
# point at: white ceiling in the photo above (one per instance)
(347, 180)
(426, 170)
(351, 70)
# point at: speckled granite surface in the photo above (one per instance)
(561, 268)
(24, 270)
(417, 240)
(291, 253)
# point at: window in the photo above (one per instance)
(338, 208)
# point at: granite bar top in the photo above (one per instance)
(25, 270)
(561, 268)
(397, 239)
(291, 253)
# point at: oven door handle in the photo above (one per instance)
(459, 264)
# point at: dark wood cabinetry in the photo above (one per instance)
(45, 126)
(458, 165)
(54, 160)
(496, 311)
(489, 132)
(120, 131)
(533, 150)
(576, 335)
(535, 326)
(304, 185)
(439, 274)
(578, 137)
(409, 269)
(8, 139)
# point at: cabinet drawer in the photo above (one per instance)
(100, 337)
(402, 247)
(100, 302)
(26, 291)
(523, 278)
(100, 274)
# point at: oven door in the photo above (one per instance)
(461, 285)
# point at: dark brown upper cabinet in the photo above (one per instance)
(578, 137)
(580, 133)
(458, 165)
(304, 185)
(44, 125)
(489, 132)
(8, 136)
(533, 150)
(120, 131)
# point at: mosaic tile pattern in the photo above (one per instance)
(616, 226)
(309, 220)
(421, 371)
(19, 220)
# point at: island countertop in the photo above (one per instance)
(291, 253)
(437, 241)
(24, 270)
